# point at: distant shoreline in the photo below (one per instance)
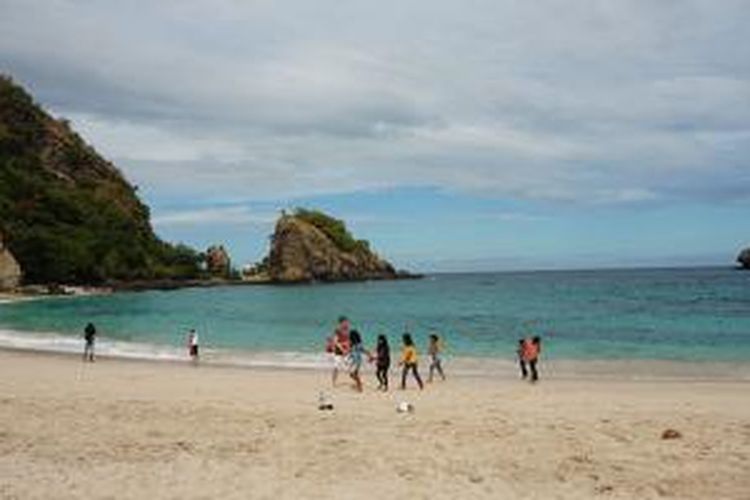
(54, 290)
(173, 284)
(178, 284)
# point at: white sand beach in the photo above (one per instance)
(130, 429)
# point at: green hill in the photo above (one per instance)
(67, 214)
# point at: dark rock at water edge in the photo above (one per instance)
(10, 271)
(744, 258)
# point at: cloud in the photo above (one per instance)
(239, 215)
(592, 102)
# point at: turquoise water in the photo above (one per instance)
(671, 314)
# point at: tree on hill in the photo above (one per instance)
(334, 228)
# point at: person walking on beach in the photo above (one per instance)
(409, 361)
(520, 353)
(433, 350)
(382, 362)
(532, 350)
(192, 345)
(356, 356)
(89, 335)
(338, 345)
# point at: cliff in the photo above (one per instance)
(69, 215)
(744, 258)
(310, 246)
(10, 272)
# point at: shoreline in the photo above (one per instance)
(501, 370)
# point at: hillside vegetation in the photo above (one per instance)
(67, 214)
(334, 228)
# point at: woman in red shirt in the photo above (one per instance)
(531, 351)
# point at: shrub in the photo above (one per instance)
(334, 228)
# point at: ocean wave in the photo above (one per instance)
(65, 344)
(500, 368)
(59, 343)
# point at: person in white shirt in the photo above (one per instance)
(192, 344)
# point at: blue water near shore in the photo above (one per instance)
(700, 314)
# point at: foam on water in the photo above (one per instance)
(65, 344)
(501, 369)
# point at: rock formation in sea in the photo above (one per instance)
(310, 246)
(217, 261)
(744, 258)
(10, 271)
(67, 214)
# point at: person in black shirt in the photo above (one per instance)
(382, 362)
(89, 335)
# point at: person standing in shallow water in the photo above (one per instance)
(89, 335)
(192, 345)
(409, 361)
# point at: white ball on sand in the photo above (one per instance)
(404, 407)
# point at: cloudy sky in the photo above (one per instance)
(454, 135)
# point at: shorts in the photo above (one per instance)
(340, 362)
(354, 367)
(194, 350)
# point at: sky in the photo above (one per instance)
(455, 136)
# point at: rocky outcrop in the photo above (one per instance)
(303, 252)
(744, 258)
(10, 271)
(217, 261)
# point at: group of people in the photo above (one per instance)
(348, 353)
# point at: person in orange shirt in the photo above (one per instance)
(409, 361)
(531, 351)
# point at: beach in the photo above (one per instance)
(139, 429)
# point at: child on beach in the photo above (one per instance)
(382, 362)
(192, 345)
(532, 350)
(409, 361)
(520, 350)
(356, 355)
(434, 349)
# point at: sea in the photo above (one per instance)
(639, 322)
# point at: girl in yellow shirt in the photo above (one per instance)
(409, 360)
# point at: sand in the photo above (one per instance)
(127, 429)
